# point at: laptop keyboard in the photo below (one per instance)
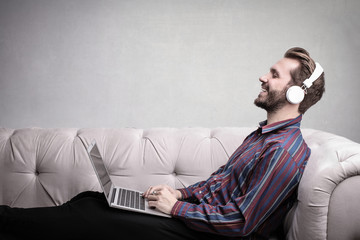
(128, 198)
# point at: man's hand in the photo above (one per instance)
(155, 189)
(162, 197)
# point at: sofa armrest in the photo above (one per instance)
(328, 190)
(344, 216)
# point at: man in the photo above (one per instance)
(255, 189)
(247, 198)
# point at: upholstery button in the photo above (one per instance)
(37, 173)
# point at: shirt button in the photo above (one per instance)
(200, 192)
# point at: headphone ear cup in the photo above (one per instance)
(295, 95)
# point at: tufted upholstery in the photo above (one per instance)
(45, 167)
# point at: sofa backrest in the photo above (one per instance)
(45, 167)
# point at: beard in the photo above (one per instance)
(274, 100)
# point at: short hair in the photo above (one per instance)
(301, 73)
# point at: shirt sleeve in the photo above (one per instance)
(274, 178)
(188, 191)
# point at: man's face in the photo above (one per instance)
(275, 84)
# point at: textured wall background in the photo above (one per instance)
(167, 63)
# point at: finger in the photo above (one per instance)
(153, 197)
(158, 189)
(155, 191)
(145, 193)
(152, 204)
(148, 192)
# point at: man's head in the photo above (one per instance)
(292, 70)
(304, 71)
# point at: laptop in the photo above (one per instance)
(118, 197)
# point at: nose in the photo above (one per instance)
(263, 78)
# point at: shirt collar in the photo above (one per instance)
(278, 125)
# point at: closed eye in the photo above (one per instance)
(275, 74)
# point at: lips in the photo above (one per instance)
(264, 89)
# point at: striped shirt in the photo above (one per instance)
(250, 195)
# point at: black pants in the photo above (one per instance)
(88, 216)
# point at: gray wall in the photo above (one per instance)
(168, 63)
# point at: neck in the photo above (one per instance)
(287, 112)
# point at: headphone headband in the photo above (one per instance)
(315, 75)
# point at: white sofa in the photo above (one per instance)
(46, 167)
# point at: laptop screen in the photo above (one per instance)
(101, 170)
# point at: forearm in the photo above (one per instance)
(187, 192)
(223, 220)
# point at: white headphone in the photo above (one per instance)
(296, 94)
